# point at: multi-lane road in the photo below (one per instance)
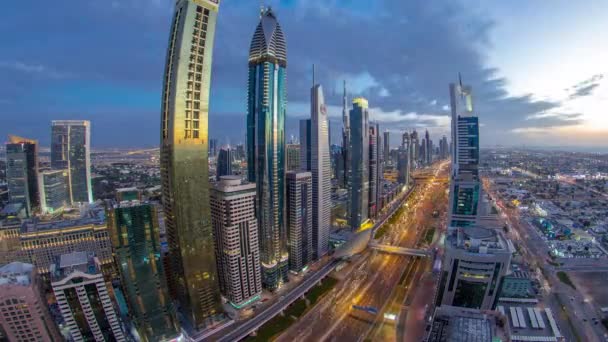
(372, 282)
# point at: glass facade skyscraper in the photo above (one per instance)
(266, 109)
(71, 151)
(192, 276)
(53, 191)
(136, 242)
(358, 180)
(224, 162)
(22, 172)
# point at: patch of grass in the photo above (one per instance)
(564, 278)
(318, 291)
(428, 236)
(271, 328)
(296, 309)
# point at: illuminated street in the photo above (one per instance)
(374, 279)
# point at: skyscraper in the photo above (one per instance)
(321, 173)
(213, 147)
(184, 162)
(386, 151)
(428, 159)
(305, 145)
(414, 149)
(374, 165)
(300, 219)
(293, 157)
(266, 109)
(344, 176)
(236, 240)
(22, 172)
(224, 162)
(403, 165)
(25, 315)
(465, 187)
(71, 151)
(359, 163)
(83, 298)
(53, 191)
(135, 236)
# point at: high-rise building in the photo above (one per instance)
(386, 151)
(475, 261)
(43, 242)
(374, 165)
(343, 179)
(422, 155)
(465, 187)
(128, 194)
(10, 244)
(240, 152)
(305, 145)
(22, 172)
(192, 277)
(428, 159)
(293, 157)
(135, 235)
(321, 173)
(213, 146)
(84, 299)
(443, 148)
(236, 240)
(224, 162)
(300, 219)
(71, 151)
(53, 191)
(25, 316)
(359, 164)
(267, 105)
(403, 166)
(414, 149)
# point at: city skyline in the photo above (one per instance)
(116, 95)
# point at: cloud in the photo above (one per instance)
(586, 87)
(34, 69)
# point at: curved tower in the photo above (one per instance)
(192, 276)
(266, 108)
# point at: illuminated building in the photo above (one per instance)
(71, 151)
(43, 242)
(414, 149)
(22, 172)
(428, 157)
(266, 110)
(300, 219)
(224, 162)
(135, 237)
(475, 261)
(386, 150)
(293, 157)
(359, 164)
(403, 166)
(192, 277)
(321, 173)
(25, 316)
(84, 299)
(53, 191)
(128, 194)
(236, 240)
(10, 246)
(465, 186)
(343, 178)
(374, 168)
(305, 145)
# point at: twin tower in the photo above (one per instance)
(192, 269)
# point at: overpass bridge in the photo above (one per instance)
(399, 250)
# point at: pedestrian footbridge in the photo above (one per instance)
(399, 250)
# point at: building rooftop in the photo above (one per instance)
(479, 240)
(16, 273)
(454, 324)
(33, 226)
(66, 264)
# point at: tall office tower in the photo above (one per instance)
(428, 158)
(240, 152)
(71, 151)
(84, 299)
(403, 166)
(300, 219)
(25, 313)
(42, 242)
(267, 104)
(224, 162)
(414, 149)
(184, 162)
(465, 187)
(374, 164)
(53, 191)
(293, 157)
(305, 145)
(236, 240)
(359, 164)
(475, 261)
(443, 148)
(344, 177)
(213, 145)
(422, 155)
(136, 244)
(321, 173)
(338, 161)
(386, 151)
(22, 172)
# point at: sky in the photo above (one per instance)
(539, 69)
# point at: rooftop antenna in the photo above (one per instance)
(261, 8)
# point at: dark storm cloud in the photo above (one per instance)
(400, 54)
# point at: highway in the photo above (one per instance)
(372, 282)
